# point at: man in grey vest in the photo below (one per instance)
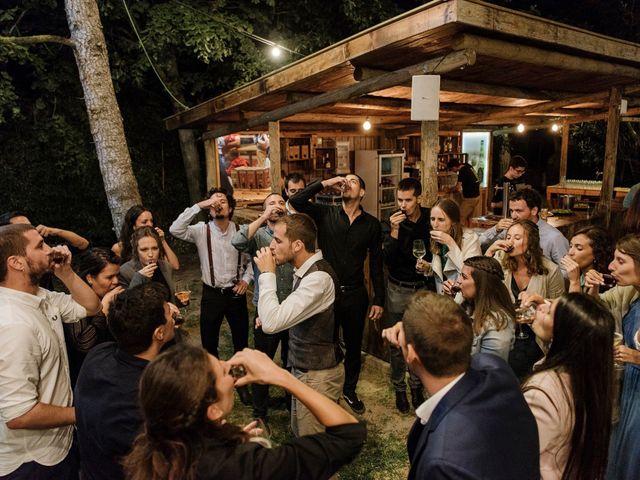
(314, 354)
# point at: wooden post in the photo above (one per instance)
(429, 147)
(212, 163)
(610, 153)
(274, 156)
(564, 150)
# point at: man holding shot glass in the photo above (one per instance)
(226, 273)
(405, 238)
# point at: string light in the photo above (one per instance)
(555, 127)
(367, 124)
(276, 51)
(520, 128)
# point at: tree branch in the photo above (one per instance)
(33, 39)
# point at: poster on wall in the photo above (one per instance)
(476, 145)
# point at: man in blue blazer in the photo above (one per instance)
(476, 423)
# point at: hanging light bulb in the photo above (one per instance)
(555, 127)
(520, 128)
(276, 51)
(367, 124)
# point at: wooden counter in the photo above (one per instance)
(584, 190)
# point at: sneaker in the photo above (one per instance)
(354, 402)
(417, 397)
(245, 395)
(402, 404)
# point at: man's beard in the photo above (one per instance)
(274, 217)
(35, 274)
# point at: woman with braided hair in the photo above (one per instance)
(487, 301)
(185, 397)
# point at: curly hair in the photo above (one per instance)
(452, 211)
(492, 302)
(601, 245)
(176, 389)
(532, 256)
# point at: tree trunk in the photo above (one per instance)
(191, 160)
(104, 115)
(188, 147)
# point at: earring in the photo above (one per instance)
(90, 282)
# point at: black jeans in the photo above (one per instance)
(67, 469)
(214, 307)
(268, 344)
(351, 311)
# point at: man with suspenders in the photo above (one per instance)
(226, 273)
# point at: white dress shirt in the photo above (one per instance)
(34, 368)
(425, 410)
(223, 253)
(314, 294)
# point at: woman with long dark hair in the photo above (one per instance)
(451, 243)
(135, 218)
(147, 263)
(589, 248)
(487, 301)
(186, 395)
(570, 391)
(623, 302)
(99, 268)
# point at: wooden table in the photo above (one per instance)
(567, 224)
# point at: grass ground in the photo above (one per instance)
(384, 455)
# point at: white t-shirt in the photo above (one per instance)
(34, 368)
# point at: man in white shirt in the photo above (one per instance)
(226, 273)
(314, 355)
(36, 412)
(475, 423)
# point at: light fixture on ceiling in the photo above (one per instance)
(366, 125)
(520, 128)
(555, 127)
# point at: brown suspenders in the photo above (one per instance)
(210, 256)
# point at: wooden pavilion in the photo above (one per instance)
(498, 68)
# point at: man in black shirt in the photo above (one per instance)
(106, 393)
(346, 234)
(517, 168)
(410, 223)
(469, 185)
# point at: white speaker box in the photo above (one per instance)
(425, 97)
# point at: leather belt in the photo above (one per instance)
(410, 285)
(220, 290)
(349, 288)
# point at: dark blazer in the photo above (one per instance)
(481, 429)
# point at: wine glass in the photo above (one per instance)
(419, 250)
(524, 315)
(183, 294)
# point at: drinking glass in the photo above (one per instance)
(419, 250)
(524, 315)
(183, 294)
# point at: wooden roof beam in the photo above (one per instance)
(542, 57)
(457, 86)
(440, 64)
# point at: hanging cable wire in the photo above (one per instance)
(133, 25)
(252, 36)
